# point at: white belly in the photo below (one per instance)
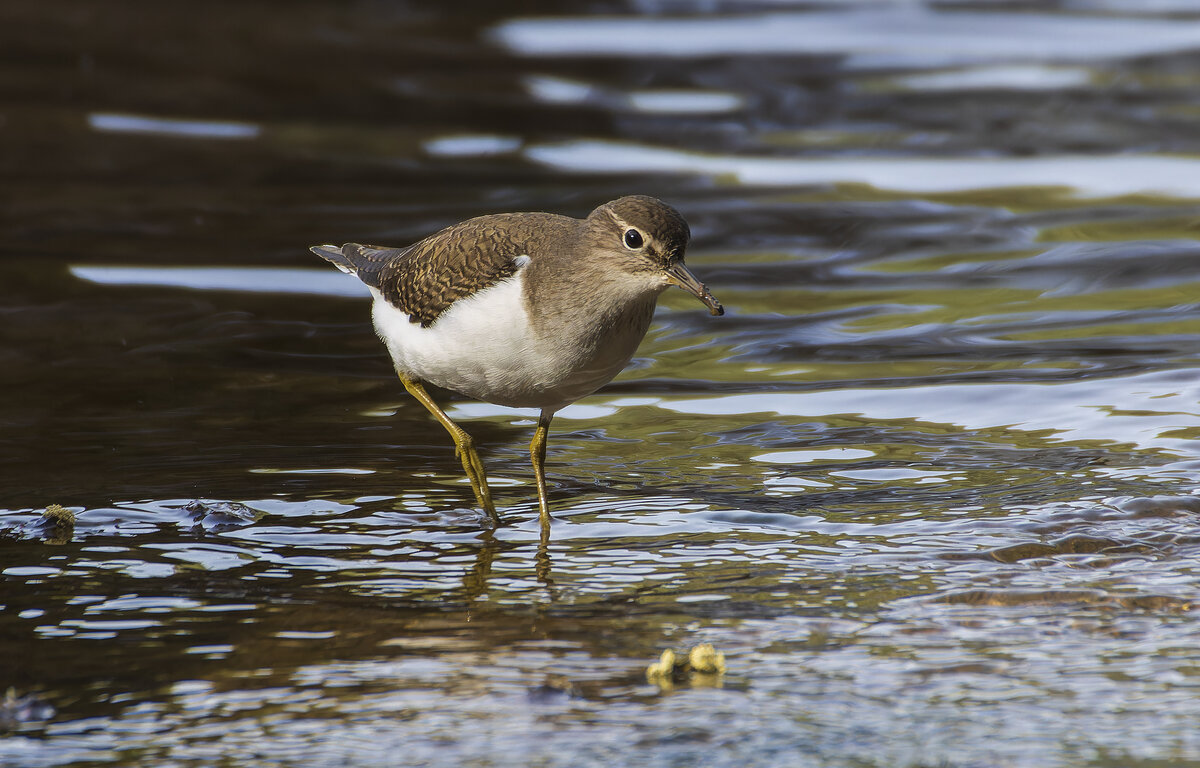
(485, 347)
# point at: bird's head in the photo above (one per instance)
(647, 238)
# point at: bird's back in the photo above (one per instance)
(424, 279)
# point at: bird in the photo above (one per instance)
(528, 310)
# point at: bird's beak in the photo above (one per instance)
(678, 274)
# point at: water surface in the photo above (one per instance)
(929, 484)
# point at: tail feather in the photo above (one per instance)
(336, 256)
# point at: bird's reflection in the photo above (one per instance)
(542, 560)
(475, 580)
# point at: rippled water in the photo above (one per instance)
(929, 485)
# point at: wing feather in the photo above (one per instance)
(425, 278)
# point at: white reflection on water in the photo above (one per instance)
(325, 282)
(1101, 176)
(1139, 410)
(684, 102)
(168, 126)
(471, 145)
(1020, 77)
(807, 455)
(905, 36)
(557, 90)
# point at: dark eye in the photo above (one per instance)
(633, 239)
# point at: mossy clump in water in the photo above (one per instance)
(703, 666)
(661, 672)
(58, 524)
(59, 515)
(707, 660)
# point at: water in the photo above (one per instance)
(929, 484)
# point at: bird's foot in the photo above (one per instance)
(478, 478)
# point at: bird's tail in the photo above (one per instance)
(336, 256)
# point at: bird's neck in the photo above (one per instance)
(587, 295)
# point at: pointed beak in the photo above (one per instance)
(678, 274)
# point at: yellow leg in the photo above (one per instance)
(537, 451)
(464, 446)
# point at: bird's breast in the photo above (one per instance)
(487, 346)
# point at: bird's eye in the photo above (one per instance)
(633, 239)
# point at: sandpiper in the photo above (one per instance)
(531, 310)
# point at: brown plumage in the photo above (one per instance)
(425, 278)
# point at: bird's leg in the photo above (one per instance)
(537, 451)
(464, 446)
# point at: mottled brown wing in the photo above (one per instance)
(424, 279)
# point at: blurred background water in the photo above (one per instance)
(929, 485)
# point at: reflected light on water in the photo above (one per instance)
(912, 36)
(323, 282)
(166, 126)
(1103, 176)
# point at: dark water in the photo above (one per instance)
(930, 484)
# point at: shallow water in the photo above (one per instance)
(929, 484)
